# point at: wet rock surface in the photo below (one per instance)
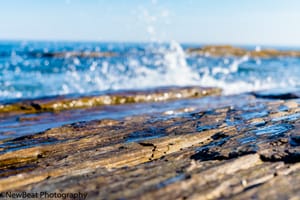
(67, 103)
(227, 50)
(283, 94)
(78, 54)
(216, 149)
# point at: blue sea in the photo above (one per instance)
(24, 73)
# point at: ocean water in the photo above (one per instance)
(24, 73)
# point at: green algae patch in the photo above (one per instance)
(126, 97)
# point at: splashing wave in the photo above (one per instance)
(136, 66)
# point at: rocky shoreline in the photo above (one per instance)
(228, 50)
(207, 50)
(56, 104)
(207, 147)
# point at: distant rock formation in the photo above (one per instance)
(68, 54)
(227, 50)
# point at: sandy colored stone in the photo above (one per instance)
(155, 95)
(231, 152)
(227, 50)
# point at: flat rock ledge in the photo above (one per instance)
(249, 151)
(56, 104)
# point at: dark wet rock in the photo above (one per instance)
(227, 50)
(278, 94)
(137, 136)
(287, 156)
(68, 54)
(295, 139)
(273, 130)
(239, 151)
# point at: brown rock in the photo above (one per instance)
(227, 50)
(232, 152)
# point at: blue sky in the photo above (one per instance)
(256, 22)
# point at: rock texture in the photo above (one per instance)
(126, 97)
(78, 54)
(227, 50)
(240, 151)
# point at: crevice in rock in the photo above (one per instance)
(149, 145)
